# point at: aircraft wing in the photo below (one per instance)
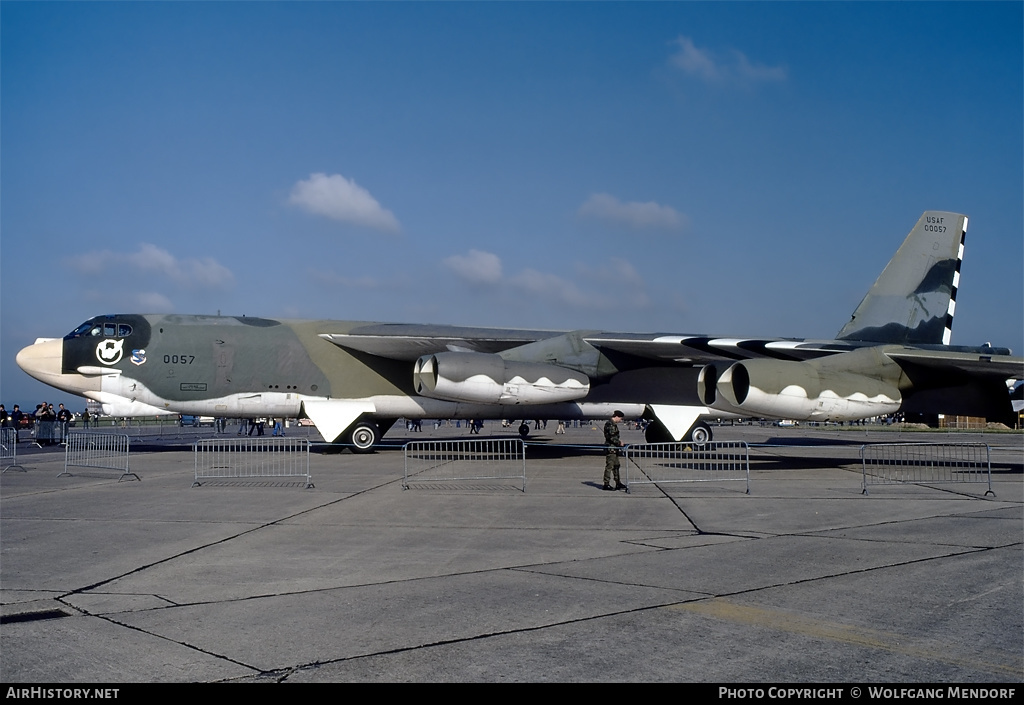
(408, 342)
(702, 349)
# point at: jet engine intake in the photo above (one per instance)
(490, 379)
(796, 390)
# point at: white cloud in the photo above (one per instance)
(207, 272)
(552, 286)
(694, 61)
(733, 67)
(621, 271)
(121, 299)
(343, 200)
(619, 280)
(476, 267)
(204, 272)
(633, 214)
(758, 72)
(614, 285)
(153, 302)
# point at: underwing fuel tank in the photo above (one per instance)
(490, 379)
(796, 390)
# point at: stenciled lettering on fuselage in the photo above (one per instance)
(182, 359)
(933, 224)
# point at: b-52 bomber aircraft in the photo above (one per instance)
(355, 379)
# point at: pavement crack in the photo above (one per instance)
(226, 539)
(184, 644)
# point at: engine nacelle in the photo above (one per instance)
(489, 379)
(796, 390)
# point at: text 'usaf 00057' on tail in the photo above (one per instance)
(354, 379)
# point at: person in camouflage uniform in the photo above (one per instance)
(612, 445)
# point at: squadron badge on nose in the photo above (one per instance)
(109, 352)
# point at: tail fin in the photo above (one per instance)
(913, 301)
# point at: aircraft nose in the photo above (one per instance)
(44, 360)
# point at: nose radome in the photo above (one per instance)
(42, 359)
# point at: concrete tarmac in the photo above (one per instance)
(806, 579)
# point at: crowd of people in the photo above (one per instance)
(46, 425)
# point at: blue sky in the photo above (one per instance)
(738, 169)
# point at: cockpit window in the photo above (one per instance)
(107, 329)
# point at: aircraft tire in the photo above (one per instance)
(700, 433)
(364, 437)
(524, 430)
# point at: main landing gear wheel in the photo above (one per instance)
(700, 433)
(364, 437)
(524, 430)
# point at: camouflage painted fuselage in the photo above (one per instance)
(251, 367)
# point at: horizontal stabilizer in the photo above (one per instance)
(996, 366)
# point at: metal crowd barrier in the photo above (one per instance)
(925, 464)
(244, 458)
(105, 451)
(660, 463)
(9, 449)
(47, 432)
(462, 460)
